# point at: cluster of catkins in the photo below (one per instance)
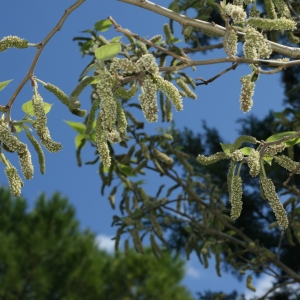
(254, 161)
(111, 122)
(256, 45)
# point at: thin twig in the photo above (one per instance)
(274, 288)
(203, 48)
(279, 69)
(233, 67)
(40, 46)
(127, 32)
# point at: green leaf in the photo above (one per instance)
(280, 135)
(19, 128)
(278, 115)
(27, 107)
(3, 84)
(79, 137)
(268, 159)
(226, 148)
(127, 170)
(246, 150)
(77, 126)
(116, 39)
(107, 52)
(102, 25)
(175, 40)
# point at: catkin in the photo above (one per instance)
(277, 207)
(236, 197)
(14, 180)
(12, 42)
(254, 162)
(74, 101)
(26, 164)
(208, 160)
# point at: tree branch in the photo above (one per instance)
(40, 46)
(217, 29)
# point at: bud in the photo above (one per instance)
(254, 162)
(12, 42)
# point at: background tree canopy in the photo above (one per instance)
(44, 255)
(197, 207)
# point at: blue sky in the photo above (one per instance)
(61, 64)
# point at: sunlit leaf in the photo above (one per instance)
(79, 137)
(246, 150)
(226, 148)
(77, 126)
(107, 52)
(27, 107)
(102, 25)
(3, 84)
(281, 135)
(116, 39)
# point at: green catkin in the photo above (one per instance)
(137, 240)
(156, 224)
(108, 103)
(78, 112)
(181, 83)
(47, 142)
(158, 166)
(124, 94)
(60, 95)
(169, 115)
(155, 248)
(254, 13)
(4, 147)
(270, 8)
(168, 33)
(6, 136)
(236, 12)
(162, 156)
(145, 150)
(124, 64)
(39, 113)
(287, 163)
(12, 42)
(232, 42)
(272, 24)
(277, 207)
(74, 101)
(240, 140)
(170, 90)
(102, 143)
(292, 38)
(237, 155)
(208, 160)
(148, 63)
(236, 197)
(148, 100)
(14, 180)
(36, 145)
(230, 176)
(249, 284)
(246, 93)
(282, 8)
(91, 116)
(254, 162)
(274, 149)
(122, 121)
(26, 164)
(143, 48)
(156, 38)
